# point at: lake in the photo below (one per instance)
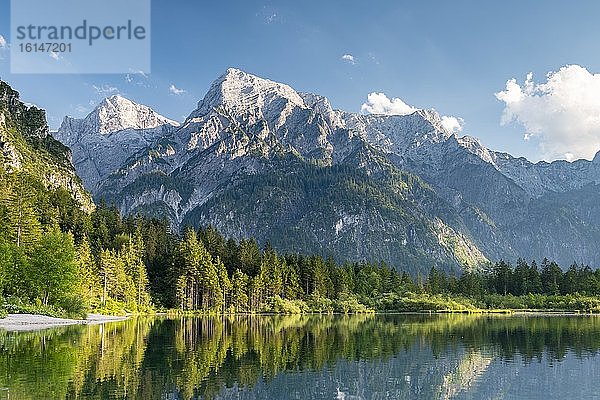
(308, 357)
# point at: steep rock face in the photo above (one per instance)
(103, 141)
(252, 113)
(27, 148)
(256, 158)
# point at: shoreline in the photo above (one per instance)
(34, 322)
(507, 312)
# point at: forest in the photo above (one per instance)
(56, 259)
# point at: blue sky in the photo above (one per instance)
(449, 55)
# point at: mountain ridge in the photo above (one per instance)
(246, 125)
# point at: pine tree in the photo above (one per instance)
(224, 283)
(436, 281)
(209, 278)
(132, 255)
(291, 281)
(347, 276)
(569, 280)
(534, 279)
(189, 275)
(407, 282)
(330, 268)
(181, 293)
(270, 273)
(116, 284)
(551, 277)
(319, 275)
(249, 257)
(471, 284)
(502, 278)
(201, 287)
(230, 259)
(239, 291)
(90, 287)
(521, 281)
(256, 289)
(24, 226)
(213, 242)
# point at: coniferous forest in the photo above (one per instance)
(58, 260)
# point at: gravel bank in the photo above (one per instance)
(31, 322)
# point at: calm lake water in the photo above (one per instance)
(308, 357)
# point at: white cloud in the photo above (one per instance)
(563, 113)
(3, 43)
(176, 91)
(105, 90)
(349, 58)
(379, 103)
(452, 124)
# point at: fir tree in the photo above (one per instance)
(90, 287)
(239, 291)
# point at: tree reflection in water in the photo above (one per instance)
(154, 358)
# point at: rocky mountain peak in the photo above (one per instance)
(474, 146)
(239, 91)
(436, 120)
(116, 113)
(114, 131)
(113, 114)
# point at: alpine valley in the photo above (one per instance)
(258, 159)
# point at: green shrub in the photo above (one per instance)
(569, 302)
(111, 307)
(15, 305)
(74, 307)
(278, 305)
(349, 304)
(319, 304)
(388, 302)
(415, 302)
(498, 301)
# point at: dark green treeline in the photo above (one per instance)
(58, 260)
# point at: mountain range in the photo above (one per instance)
(257, 158)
